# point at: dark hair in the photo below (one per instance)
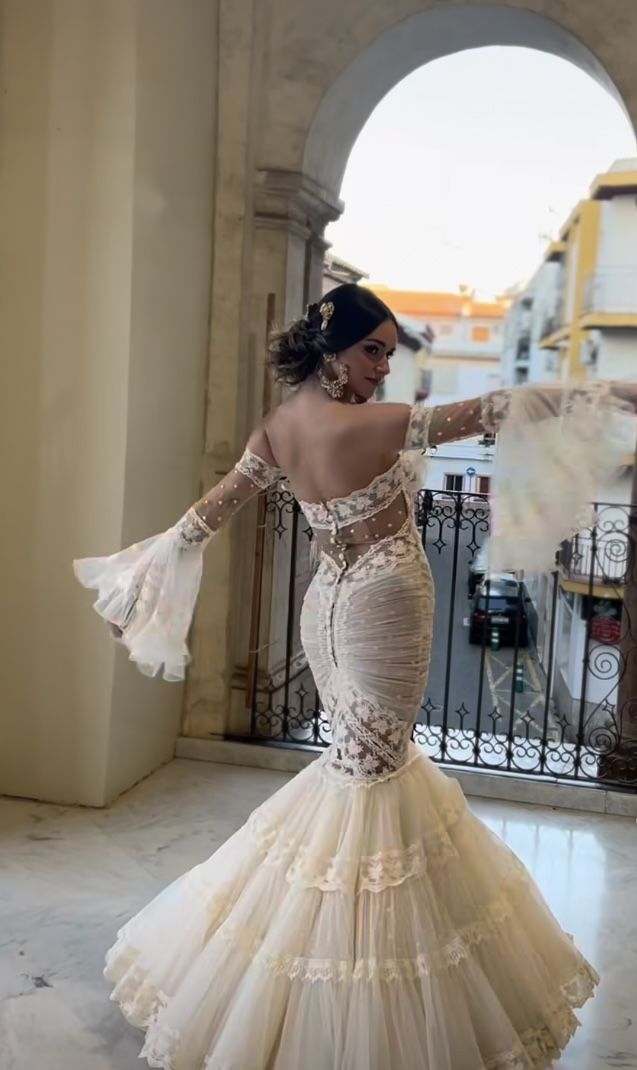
(344, 316)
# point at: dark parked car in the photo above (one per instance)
(478, 572)
(498, 607)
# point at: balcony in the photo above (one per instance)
(611, 294)
(599, 557)
(554, 329)
(473, 715)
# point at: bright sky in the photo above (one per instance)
(467, 166)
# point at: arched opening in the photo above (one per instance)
(345, 108)
(411, 43)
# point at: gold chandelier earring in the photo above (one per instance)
(333, 384)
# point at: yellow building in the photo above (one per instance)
(594, 326)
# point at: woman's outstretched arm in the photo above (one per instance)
(147, 592)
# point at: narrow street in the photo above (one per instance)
(457, 667)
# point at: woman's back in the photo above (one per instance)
(328, 451)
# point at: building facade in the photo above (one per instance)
(465, 361)
(577, 320)
(467, 349)
(594, 328)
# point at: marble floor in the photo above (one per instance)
(69, 877)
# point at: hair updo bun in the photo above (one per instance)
(297, 352)
(345, 316)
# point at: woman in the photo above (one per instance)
(363, 918)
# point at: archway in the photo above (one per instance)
(411, 43)
(298, 203)
(303, 109)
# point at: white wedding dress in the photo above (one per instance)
(363, 918)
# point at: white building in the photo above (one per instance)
(462, 466)
(465, 362)
(533, 311)
(465, 359)
(410, 378)
(580, 311)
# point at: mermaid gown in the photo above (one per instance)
(363, 918)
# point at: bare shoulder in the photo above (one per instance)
(389, 420)
(259, 443)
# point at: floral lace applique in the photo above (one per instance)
(417, 437)
(370, 873)
(360, 505)
(495, 409)
(259, 471)
(368, 741)
(192, 530)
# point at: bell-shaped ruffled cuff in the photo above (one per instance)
(149, 591)
(557, 449)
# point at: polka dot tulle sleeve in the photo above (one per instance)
(435, 425)
(149, 590)
(557, 446)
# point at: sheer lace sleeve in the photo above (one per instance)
(557, 447)
(433, 426)
(148, 591)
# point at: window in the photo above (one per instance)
(495, 604)
(480, 333)
(454, 481)
(484, 484)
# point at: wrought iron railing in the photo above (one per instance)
(541, 693)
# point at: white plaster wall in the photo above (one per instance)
(617, 354)
(455, 380)
(453, 337)
(618, 233)
(400, 384)
(171, 257)
(455, 459)
(105, 128)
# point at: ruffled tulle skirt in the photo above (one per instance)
(353, 926)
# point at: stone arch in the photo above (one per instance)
(410, 43)
(287, 125)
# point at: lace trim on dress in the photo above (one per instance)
(495, 408)
(360, 504)
(417, 437)
(259, 471)
(448, 955)
(142, 1003)
(192, 530)
(389, 552)
(138, 997)
(327, 769)
(370, 873)
(368, 741)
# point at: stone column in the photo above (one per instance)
(287, 247)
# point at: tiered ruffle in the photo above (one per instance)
(353, 927)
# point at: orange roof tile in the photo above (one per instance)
(425, 305)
